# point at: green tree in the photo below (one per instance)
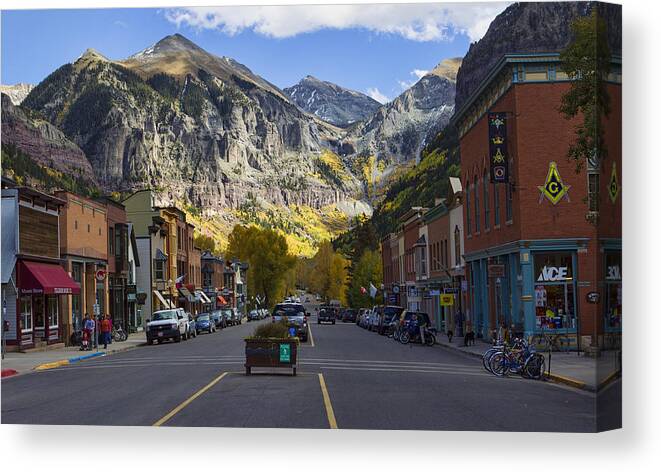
(368, 269)
(329, 273)
(205, 243)
(586, 61)
(268, 255)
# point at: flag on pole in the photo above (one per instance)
(179, 281)
(372, 290)
(363, 290)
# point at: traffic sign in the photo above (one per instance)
(447, 299)
(285, 353)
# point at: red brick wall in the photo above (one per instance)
(438, 231)
(539, 134)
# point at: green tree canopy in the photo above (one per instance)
(368, 269)
(586, 61)
(270, 262)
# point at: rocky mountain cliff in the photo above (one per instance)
(398, 131)
(17, 92)
(330, 102)
(46, 145)
(530, 27)
(201, 126)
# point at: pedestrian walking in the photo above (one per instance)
(88, 332)
(106, 329)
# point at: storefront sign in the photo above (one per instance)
(553, 274)
(613, 273)
(496, 270)
(553, 189)
(447, 299)
(592, 297)
(614, 184)
(100, 275)
(434, 293)
(498, 157)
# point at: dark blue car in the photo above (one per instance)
(204, 322)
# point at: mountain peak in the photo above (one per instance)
(170, 44)
(91, 54)
(448, 68)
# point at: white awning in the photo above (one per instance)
(164, 302)
(203, 296)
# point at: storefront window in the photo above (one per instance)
(26, 314)
(554, 291)
(613, 282)
(53, 313)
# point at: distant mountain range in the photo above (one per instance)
(330, 102)
(206, 132)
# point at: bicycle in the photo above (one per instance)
(118, 334)
(520, 359)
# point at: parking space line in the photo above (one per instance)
(327, 403)
(186, 402)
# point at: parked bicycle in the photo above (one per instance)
(429, 336)
(520, 358)
(118, 333)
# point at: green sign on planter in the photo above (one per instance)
(285, 353)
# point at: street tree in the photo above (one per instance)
(267, 253)
(368, 270)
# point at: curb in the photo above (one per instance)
(569, 381)
(8, 373)
(611, 377)
(578, 384)
(53, 365)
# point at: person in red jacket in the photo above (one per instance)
(106, 329)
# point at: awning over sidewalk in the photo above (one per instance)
(222, 300)
(164, 302)
(47, 279)
(202, 296)
(184, 292)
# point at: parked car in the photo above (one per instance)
(237, 315)
(296, 316)
(228, 317)
(326, 314)
(191, 328)
(349, 315)
(218, 319)
(166, 324)
(205, 322)
(375, 316)
(254, 315)
(386, 316)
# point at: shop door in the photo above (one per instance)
(53, 318)
(39, 318)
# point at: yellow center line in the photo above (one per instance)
(327, 403)
(186, 402)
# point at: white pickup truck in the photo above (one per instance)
(167, 324)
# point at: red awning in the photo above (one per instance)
(222, 300)
(49, 279)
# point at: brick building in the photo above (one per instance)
(84, 249)
(533, 257)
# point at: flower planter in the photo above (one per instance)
(271, 352)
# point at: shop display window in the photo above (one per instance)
(554, 292)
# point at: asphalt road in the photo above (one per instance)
(347, 378)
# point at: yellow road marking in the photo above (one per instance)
(186, 402)
(327, 403)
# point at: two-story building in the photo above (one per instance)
(34, 281)
(542, 242)
(84, 248)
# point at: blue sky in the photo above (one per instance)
(372, 49)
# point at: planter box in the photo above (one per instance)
(271, 352)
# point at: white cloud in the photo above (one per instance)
(377, 95)
(417, 73)
(121, 24)
(417, 22)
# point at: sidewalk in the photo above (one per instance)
(25, 362)
(566, 367)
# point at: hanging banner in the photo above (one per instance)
(498, 148)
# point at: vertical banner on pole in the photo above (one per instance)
(498, 158)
